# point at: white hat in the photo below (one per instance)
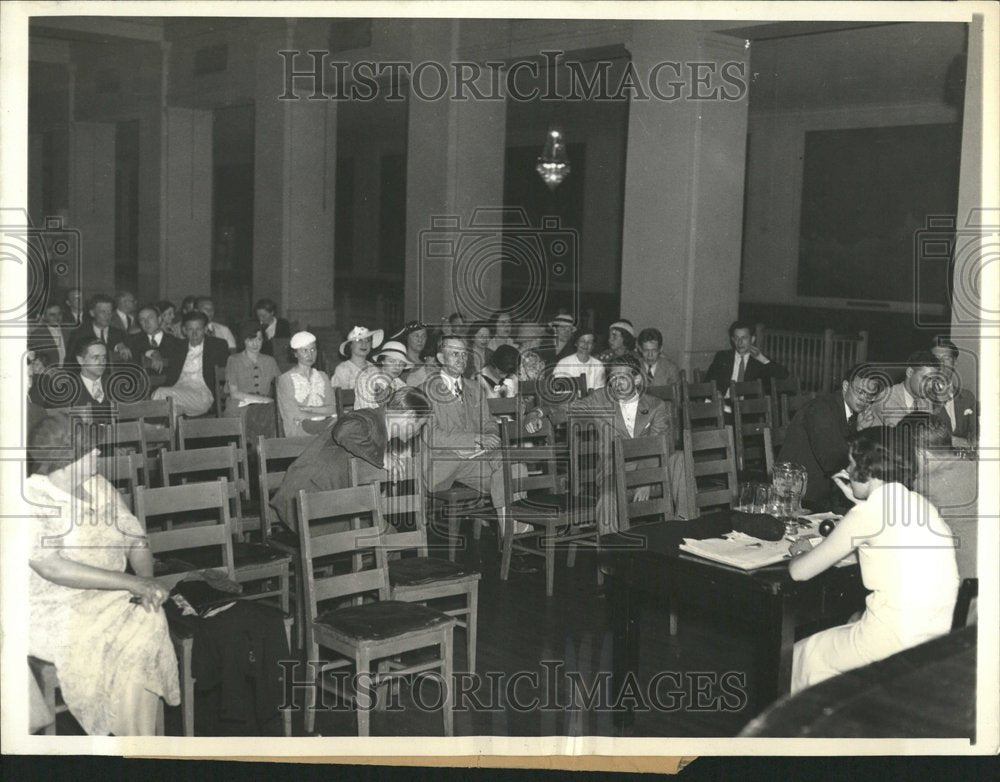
(623, 325)
(301, 339)
(360, 332)
(396, 350)
(562, 320)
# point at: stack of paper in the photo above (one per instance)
(738, 550)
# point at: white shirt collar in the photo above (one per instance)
(847, 411)
(91, 385)
(450, 381)
(907, 396)
(271, 328)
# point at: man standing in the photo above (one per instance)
(151, 344)
(918, 392)
(744, 362)
(100, 326)
(207, 306)
(191, 367)
(960, 404)
(657, 368)
(817, 436)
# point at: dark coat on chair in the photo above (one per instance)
(325, 463)
(721, 370)
(816, 438)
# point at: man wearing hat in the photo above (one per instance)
(377, 381)
(563, 327)
(355, 349)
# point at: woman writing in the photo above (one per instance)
(249, 378)
(305, 396)
(375, 435)
(907, 558)
(100, 626)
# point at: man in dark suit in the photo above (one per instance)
(817, 436)
(272, 326)
(50, 339)
(744, 362)
(99, 325)
(73, 311)
(960, 405)
(83, 384)
(150, 346)
(190, 367)
(124, 315)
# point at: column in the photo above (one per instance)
(92, 202)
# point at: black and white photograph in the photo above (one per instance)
(500, 379)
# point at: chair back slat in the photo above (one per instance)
(633, 468)
(271, 451)
(750, 389)
(193, 434)
(177, 466)
(720, 486)
(400, 510)
(344, 400)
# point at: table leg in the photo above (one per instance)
(775, 642)
(624, 608)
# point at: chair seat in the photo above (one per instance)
(538, 504)
(424, 570)
(256, 554)
(382, 619)
(457, 494)
(284, 538)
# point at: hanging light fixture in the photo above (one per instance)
(553, 166)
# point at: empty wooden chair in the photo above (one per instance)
(196, 433)
(753, 423)
(420, 578)
(157, 419)
(122, 472)
(343, 398)
(362, 634)
(710, 468)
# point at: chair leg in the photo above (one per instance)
(571, 555)
(362, 667)
(507, 525)
(477, 529)
(160, 728)
(382, 691)
(550, 564)
(673, 621)
(187, 696)
(471, 622)
(49, 684)
(447, 649)
(312, 685)
(452, 519)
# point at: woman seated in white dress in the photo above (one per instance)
(907, 558)
(499, 377)
(356, 348)
(101, 627)
(377, 381)
(582, 363)
(305, 396)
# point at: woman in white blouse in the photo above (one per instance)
(582, 363)
(305, 395)
(356, 347)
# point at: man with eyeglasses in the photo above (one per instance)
(817, 436)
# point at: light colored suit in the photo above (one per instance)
(888, 410)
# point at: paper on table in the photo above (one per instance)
(738, 550)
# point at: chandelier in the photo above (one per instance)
(553, 166)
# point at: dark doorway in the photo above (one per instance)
(127, 205)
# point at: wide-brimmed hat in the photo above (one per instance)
(562, 320)
(301, 339)
(623, 325)
(361, 332)
(409, 328)
(395, 350)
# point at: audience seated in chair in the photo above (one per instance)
(356, 349)
(621, 340)
(658, 369)
(50, 339)
(73, 309)
(250, 379)
(922, 389)
(563, 328)
(125, 312)
(213, 329)
(190, 367)
(151, 343)
(959, 402)
(305, 396)
(272, 326)
(581, 362)
(100, 325)
(377, 382)
(744, 362)
(169, 319)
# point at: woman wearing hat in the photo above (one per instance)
(414, 336)
(377, 381)
(249, 380)
(581, 362)
(305, 396)
(621, 340)
(356, 347)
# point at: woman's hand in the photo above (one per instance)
(394, 467)
(800, 546)
(150, 592)
(843, 481)
(641, 494)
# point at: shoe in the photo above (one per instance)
(521, 564)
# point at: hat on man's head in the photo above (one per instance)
(359, 333)
(394, 349)
(623, 325)
(562, 320)
(409, 328)
(301, 339)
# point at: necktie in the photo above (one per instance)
(98, 392)
(458, 389)
(743, 369)
(104, 336)
(852, 423)
(152, 341)
(650, 368)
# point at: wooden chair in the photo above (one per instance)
(157, 419)
(643, 461)
(343, 398)
(671, 395)
(122, 472)
(198, 433)
(171, 502)
(753, 423)
(255, 563)
(789, 386)
(362, 633)
(420, 578)
(48, 682)
(532, 471)
(710, 455)
(502, 407)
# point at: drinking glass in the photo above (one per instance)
(746, 499)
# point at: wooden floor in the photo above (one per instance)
(546, 639)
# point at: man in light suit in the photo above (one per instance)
(744, 362)
(658, 369)
(190, 367)
(960, 405)
(920, 391)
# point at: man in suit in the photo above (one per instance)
(657, 368)
(190, 367)
(124, 314)
(73, 310)
(80, 384)
(960, 404)
(922, 389)
(817, 436)
(49, 339)
(207, 306)
(150, 345)
(273, 327)
(100, 325)
(744, 362)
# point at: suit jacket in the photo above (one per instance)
(127, 324)
(86, 331)
(64, 387)
(282, 330)
(888, 410)
(457, 423)
(952, 486)
(721, 370)
(41, 341)
(966, 426)
(325, 463)
(216, 354)
(138, 344)
(665, 372)
(816, 438)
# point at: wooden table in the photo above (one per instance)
(764, 606)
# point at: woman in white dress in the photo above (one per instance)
(305, 396)
(582, 363)
(102, 627)
(907, 558)
(356, 347)
(377, 381)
